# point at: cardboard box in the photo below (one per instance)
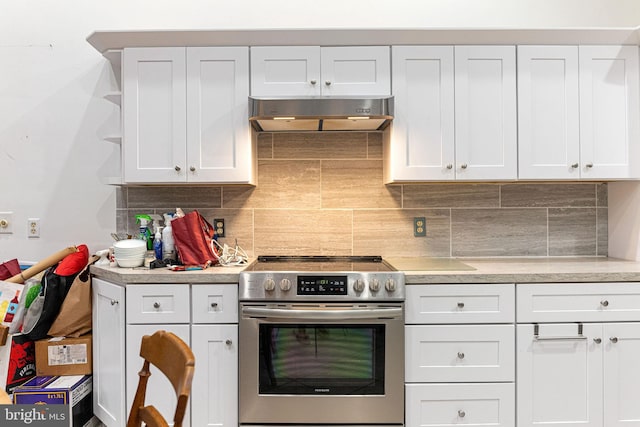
(74, 391)
(64, 356)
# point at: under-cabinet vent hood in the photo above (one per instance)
(320, 114)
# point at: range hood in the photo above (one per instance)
(320, 114)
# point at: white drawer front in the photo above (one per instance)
(158, 304)
(459, 353)
(441, 304)
(460, 404)
(578, 302)
(215, 303)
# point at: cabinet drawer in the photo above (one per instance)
(215, 303)
(440, 304)
(460, 404)
(578, 302)
(459, 353)
(158, 304)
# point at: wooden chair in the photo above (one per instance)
(174, 359)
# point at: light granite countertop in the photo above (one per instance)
(425, 270)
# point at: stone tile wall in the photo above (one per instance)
(322, 193)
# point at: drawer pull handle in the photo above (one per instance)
(460, 355)
(604, 303)
(156, 305)
(613, 339)
(597, 340)
(114, 302)
(537, 337)
(214, 305)
(228, 342)
(460, 305)
(461, 413)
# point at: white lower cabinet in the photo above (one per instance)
(468, 404)
(582, 373)
(459, 355)
(204, 316)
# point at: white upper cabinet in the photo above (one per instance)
(154, 115)
(185, 115)
(455, 114)
(320, 71)
(578, 112)
(609, 112)
(548, 119)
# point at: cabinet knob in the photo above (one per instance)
(192, 168)
(177, 168)
(589, 165)
(114, 302)
(460, 355)
(214, 305)
(313, 82)
(574, 166)
(449, 166)
(463, 166)
(327, 83)
(613, 339)
(597, 340)
(460, 305)
(156, 305)
(461, 413)
(228, 342)
(604, 303)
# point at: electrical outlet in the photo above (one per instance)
(219, 226)
(419, 226)
(6, 222)
(33, 227)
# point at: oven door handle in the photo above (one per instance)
(362, 313)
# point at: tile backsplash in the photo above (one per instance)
(322, 194)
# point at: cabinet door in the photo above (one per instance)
(160, 392)
(355, 71)
(609, 126)
(559, 381)
(485, 117)
(215, 385)
(548, 112)
(285, 71)
(108, 302)
(214, 303)
(219, 147)
(621, 345)
(459, 353)
(421, 146)
(441, 405)
(154, 115)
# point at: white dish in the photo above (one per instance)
(136, 262)
(130, 244)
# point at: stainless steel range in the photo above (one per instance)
(321, 342)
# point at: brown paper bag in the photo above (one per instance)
(74, 318)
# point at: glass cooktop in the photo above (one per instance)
(320, 263)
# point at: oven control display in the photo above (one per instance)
(322, 285)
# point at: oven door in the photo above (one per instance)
(310, 363)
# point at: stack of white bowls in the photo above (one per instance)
(129, 253)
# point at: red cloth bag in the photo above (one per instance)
(9, 269)
(192, 235)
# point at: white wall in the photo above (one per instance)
(52, 159)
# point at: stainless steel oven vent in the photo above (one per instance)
(320, 114)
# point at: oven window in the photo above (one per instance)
(322, 359)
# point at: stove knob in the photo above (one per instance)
(269, 285)
(374, 285)
(390, 285)
(358, 285)
(285, 285)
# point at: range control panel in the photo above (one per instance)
(322, 285)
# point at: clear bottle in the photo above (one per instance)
(168, 246)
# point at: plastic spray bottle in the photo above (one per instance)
(168, 247)
(157, 243)
(144, 233)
